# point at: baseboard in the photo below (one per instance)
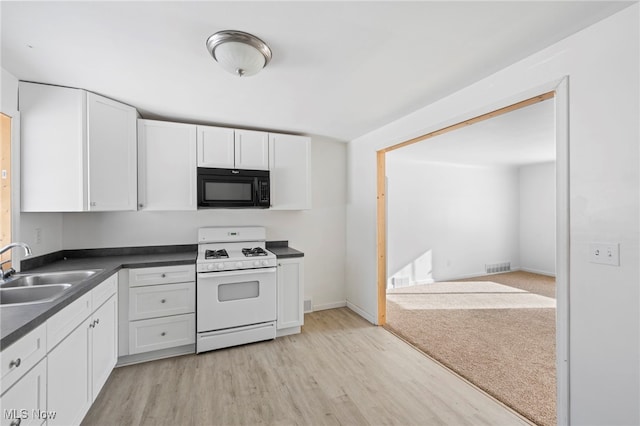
(332, 305)
(538, 271)
(465, 276)
(358, 310)
(484, 273)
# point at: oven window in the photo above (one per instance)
(238, 291)
(227, 191)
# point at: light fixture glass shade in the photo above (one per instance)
(238, 52)
(239, 58)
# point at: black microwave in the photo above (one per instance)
(233, 188)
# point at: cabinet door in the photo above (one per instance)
(68, 378)
(53, 129)
(290, 293)
(215, 147)
(252, 150)
(111, 137)
(104, 344)
(290, 172)
(166, 166)
(26, 398)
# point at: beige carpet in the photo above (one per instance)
(497, 331)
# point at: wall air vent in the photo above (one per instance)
(495, 268)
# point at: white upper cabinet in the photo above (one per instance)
(78, 151)
(215, 147)
(232, 149)
(252, 150)
(111, 137)
(290, 172)
(166, 165)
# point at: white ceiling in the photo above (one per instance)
(339, 69)
(518, 138)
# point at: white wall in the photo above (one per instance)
(602, 63)
(319, 232)
(9, 86)
(467, 215)
(538, 218)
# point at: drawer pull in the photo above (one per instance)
(98, 321)
(16, 422)
(163, 334)
(164, 275)
(15, 363)
(163, 301)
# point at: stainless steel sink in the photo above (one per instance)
(34, 294)
(47, 278)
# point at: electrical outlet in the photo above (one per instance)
(605, 253)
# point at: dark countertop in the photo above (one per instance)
(17, 321)
(282, 250)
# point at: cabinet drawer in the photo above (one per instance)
(18, 358)
(65, 321)
(104, 291)
(162, 275)
(161, 333)
(161, 300)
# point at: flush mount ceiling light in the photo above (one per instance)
(238, 52)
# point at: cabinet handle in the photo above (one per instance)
(141, 205)
(164, 275)
(16, 422)
(15, 363)
(163, 301)
(97, 321)
(163, 334)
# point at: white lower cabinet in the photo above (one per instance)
(161, 333)
(69, 387)
(157, 313)
(25, 403)
(290, 276)
(80, 364)
(104, 344)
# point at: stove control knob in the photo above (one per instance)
(265, 263)
(210, 267)
(220, 265)
(256, 263)
(239, 265)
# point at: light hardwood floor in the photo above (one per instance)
(339, 370)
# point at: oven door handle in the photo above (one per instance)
(236, 272)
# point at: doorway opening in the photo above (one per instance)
(421, 270)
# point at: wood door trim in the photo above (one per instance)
(5, 186)
(381, 189)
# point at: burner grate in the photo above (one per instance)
(216, 254)
(256, 251)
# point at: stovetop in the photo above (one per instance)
(228, 249)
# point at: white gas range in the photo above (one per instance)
(236, 287)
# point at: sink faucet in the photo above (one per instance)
(27, 252)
